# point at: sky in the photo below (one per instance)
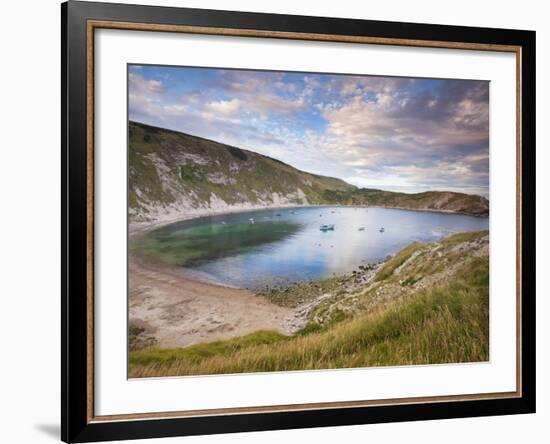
(391, 133)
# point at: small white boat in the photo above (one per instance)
(326, 227)
(251, 220)
(223, 222)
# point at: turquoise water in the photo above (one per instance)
(285, 246)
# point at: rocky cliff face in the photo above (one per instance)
(172, 173)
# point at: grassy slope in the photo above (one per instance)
(438, 322)
(429, 200)
(165, 165)
(168, 168)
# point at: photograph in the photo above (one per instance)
(274, 221)
(284, 221)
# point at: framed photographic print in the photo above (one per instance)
(275, 221)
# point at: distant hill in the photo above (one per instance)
(172, 174)
(429, 200)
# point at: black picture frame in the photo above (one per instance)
(76, 423)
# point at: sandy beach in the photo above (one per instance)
(178, 311)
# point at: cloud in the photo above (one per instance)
(139, 86)
(372, 131)
(264, 93)
(396, 128)
(144, 95)
(224, 107)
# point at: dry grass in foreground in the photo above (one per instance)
(445, 324)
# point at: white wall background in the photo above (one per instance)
(30, 202)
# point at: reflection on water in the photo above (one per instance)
(278, 247)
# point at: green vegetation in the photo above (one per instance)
(200, 352)
(410, 281)
(133, 332)
(468, 236)
(172, 170)
(430, 200)
(301, 292)
(397, 260)
(137, 338)
(166, 167)
(434, 310)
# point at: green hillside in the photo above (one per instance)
(174, 174)
(429, 200)
(171, 171)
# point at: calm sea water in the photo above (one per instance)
(286, 245)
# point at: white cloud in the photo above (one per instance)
(140, 86)
(224, 107)
(377, 131)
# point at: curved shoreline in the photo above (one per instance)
(179, 309)
(142, 227)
